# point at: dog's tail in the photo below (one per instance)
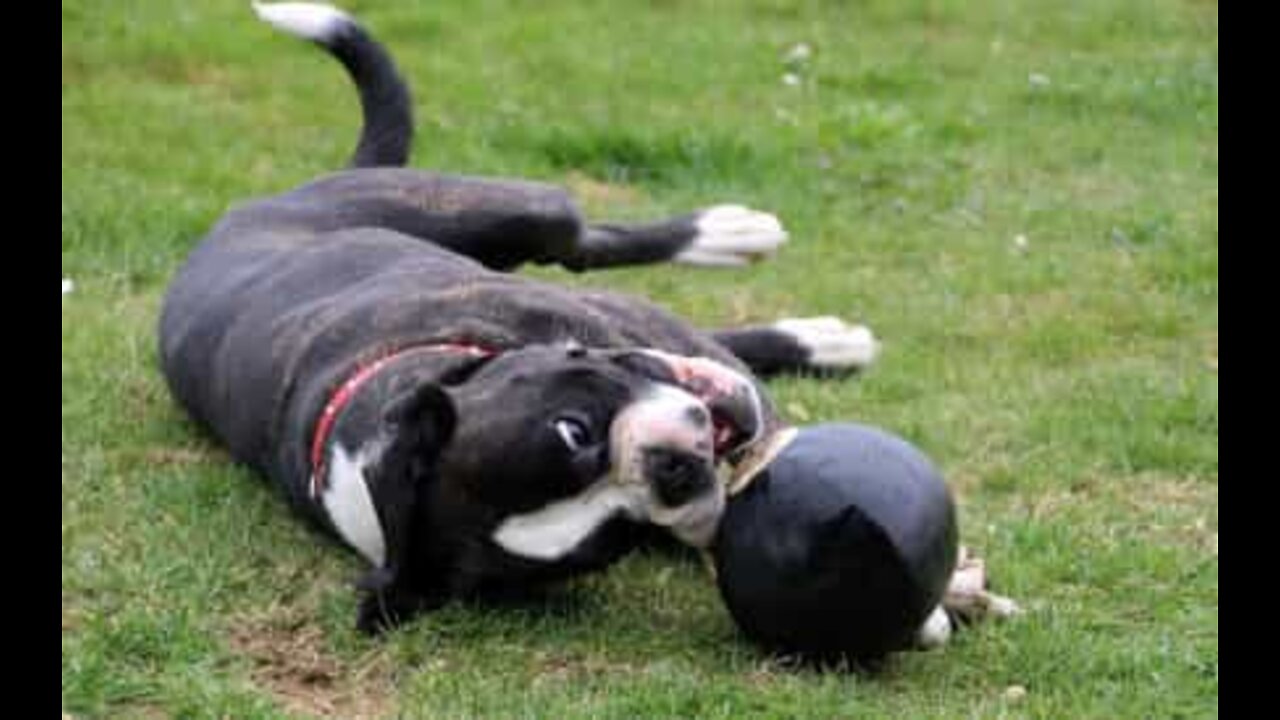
(387, 134)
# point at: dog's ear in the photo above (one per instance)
(423, 417)
(419, 423)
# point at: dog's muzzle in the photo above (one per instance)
(669, 441)
(663, 447)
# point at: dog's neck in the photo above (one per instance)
(344, 393)
(338, 468)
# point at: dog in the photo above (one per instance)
(362, 343)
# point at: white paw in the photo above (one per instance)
(67, 285)
(936, 630)
(832, 343)
(732, 236)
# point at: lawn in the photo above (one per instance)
(1021, 199)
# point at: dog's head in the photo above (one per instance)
(551, 442)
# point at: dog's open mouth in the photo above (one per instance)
(737, 416)
(735, 407)
(727, 435)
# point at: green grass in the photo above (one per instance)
(1068, 388)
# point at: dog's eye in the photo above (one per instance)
(573, 432)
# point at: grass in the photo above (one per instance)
(1066, 382)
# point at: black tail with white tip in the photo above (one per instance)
(385, 102)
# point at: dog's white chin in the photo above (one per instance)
(555, 530)
(694, 523)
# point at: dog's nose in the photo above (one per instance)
(677, 476)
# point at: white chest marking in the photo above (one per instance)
(349, 505)
(553, 531)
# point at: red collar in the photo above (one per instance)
(347, 390)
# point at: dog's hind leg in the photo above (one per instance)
(820, 345)
(501, 223)
(506, 223)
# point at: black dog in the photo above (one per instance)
(357, 341)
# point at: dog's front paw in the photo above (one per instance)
(831, 343)
(385, 604)
(380, 612)
(373, 618)
(732, 236)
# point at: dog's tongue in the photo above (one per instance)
(725, 435)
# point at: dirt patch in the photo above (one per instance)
(290, 662)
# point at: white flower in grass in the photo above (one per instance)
(799, 53)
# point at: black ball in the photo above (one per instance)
(840, 548)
